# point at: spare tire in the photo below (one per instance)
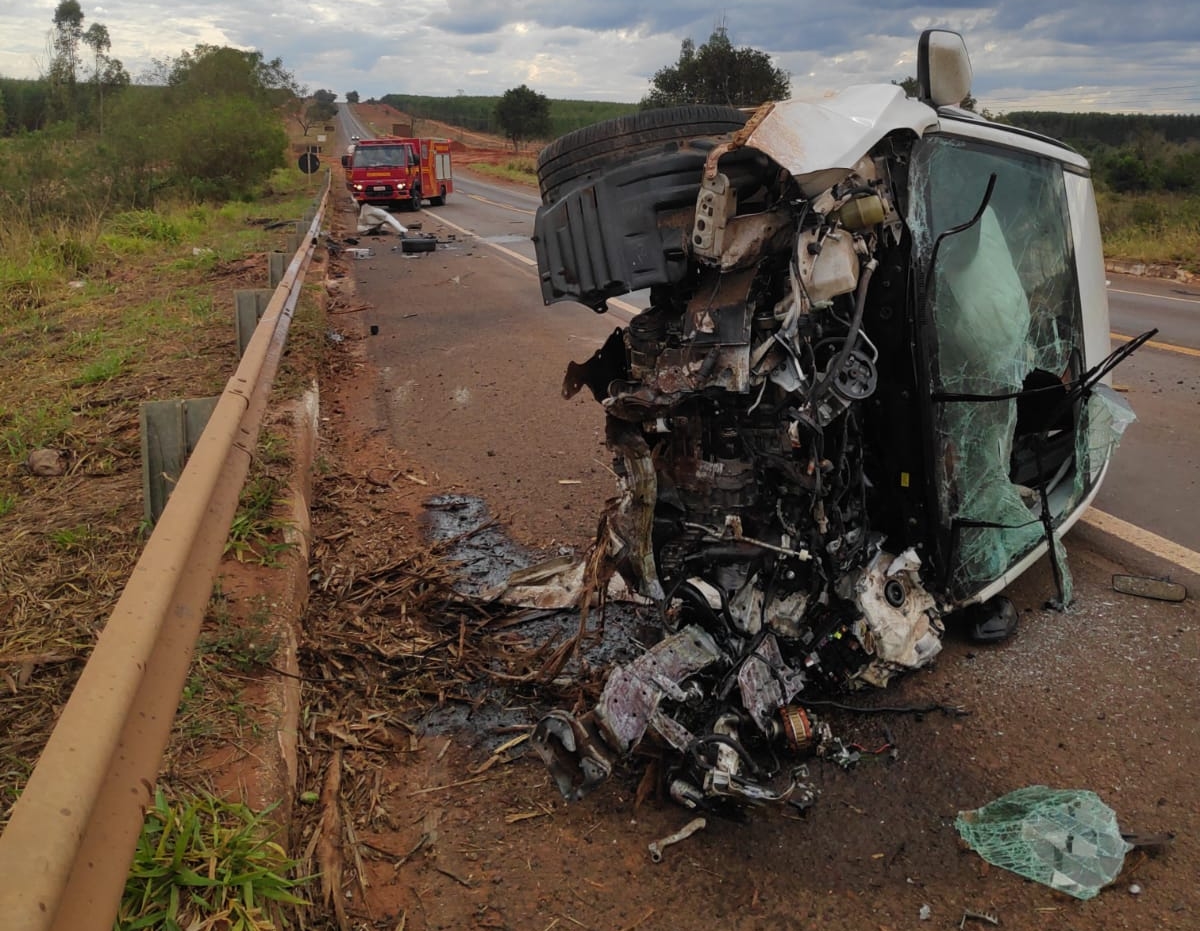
(574, 157)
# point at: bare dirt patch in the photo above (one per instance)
(381, 118)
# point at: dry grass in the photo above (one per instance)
(518, 169)
(1156, 229)
(150, 318)
(387, 640)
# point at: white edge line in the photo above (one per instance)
(1144, 540)
(619, 305)
(466, 232)
(1161, 297)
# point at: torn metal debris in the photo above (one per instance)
(868, 390)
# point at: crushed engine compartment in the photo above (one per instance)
(769, 415)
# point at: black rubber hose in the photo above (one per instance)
(860, 305)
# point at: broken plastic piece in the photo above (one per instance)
(1067, 839)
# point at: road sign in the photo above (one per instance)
(309, 163)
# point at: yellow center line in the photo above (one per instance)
(1155, 344)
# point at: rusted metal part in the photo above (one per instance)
(748, 238)
(739, 139)
(65, 854)
(633, 517)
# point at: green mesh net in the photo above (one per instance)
(1063, 838)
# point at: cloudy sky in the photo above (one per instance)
(1111, 55)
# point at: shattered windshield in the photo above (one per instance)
(382, 156)
(1005, 320)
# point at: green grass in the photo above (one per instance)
(73, 539)
(1151, 228)
(86, 343)
(148, 226)
(232, 647)
(109, 365)
(26, 281)
(254, 535)
(273, 449)
(517, 168)
(97, 302)
(34, 424)
(205, 863)
(244, 645)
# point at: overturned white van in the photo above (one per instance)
(869, 390)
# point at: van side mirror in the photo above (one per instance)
(345, 161)
(943, 68)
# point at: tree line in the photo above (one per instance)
(716, 72)
(83, 140)
(1129, 152)
(478, 113)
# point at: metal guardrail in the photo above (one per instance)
(67, 849)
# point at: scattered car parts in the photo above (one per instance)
(867, 392)
(1144, 587)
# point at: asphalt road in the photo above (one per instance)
(1153, 480)
(1136, 304)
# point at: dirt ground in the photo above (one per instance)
(470, 146)
(449, 822)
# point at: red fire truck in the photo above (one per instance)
(401, 171)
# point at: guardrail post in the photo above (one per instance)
(277, 263)
(170, 431)
(249, 306)
(296, 238)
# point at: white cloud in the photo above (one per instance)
(1078, 54)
